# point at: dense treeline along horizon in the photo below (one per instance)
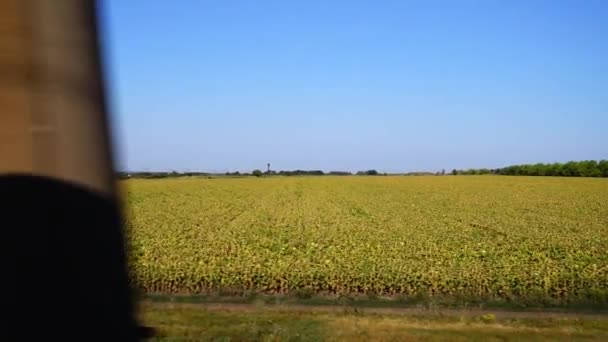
(585, 168)
(519, 240)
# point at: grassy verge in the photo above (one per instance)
(187, 322)
(379, 302)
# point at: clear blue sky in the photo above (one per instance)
(348, 85)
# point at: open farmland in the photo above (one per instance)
(523, 240)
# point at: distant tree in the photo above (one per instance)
(570, 169)
(421, 173)
(339, 173)
(257, 173)
(123, 175)
(603, 168)
(589, 168)
(454, 172)
(301, 173)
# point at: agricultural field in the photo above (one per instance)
(514, 240)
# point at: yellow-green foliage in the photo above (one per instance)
(491, 237)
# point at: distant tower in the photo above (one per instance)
(268, 167)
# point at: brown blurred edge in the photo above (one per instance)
(53, 118)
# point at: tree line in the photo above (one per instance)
(585, 168)
(159, 174)
(256, 173)
(316, 173)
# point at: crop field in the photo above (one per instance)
(521, 240)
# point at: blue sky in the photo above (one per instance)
(348, 85)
